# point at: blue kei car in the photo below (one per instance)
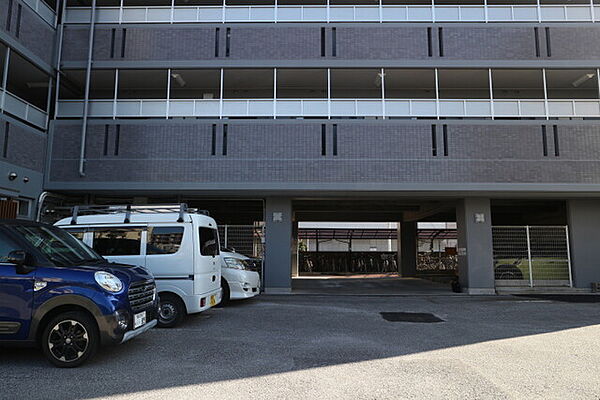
(57, 293)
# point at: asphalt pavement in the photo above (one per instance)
(340, 347)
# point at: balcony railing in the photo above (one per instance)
(21, 109)
(317, 13)
(43, 10)
(334, 108)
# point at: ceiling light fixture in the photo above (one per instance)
(178, 79)
(582, 79)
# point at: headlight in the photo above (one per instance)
(234, 263)
(108, 281)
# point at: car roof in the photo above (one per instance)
(137, 218)
(21, 222)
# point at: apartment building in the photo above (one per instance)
(480, 112)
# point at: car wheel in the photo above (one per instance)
(226, 293)
(171, 311)
(70, 339)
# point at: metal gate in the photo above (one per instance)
(532, 256)
(245, 239)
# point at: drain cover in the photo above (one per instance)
(410, 317)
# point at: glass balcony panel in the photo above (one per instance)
(420, 14)
(506, 108)
(213, 14)
(525, 13)
(289, 108)
(395, 14)
(78, 15)
(260, 108)
(105, 15)
(190, 14)
(207, 108)
(397, 108)
(181, 108)
(316, 13)
(134, 15)
(366, 13)
(447, 13)
(100, 108)
(262, 14)
(500, 13)
(557, 108)
(553, 13)
(15, 106)
(289, 13)
(369, 108)
(235, 108)
(472, 14)
(154, 108)
(533, 108)
(70, 109)
(587, 108)
(452, 108)
(158, 14)
(340, 13)
(423, 108)
(37, 117)
(579, 13)
(129, 108)
(237, 14)
(315, 108)
(343, 108)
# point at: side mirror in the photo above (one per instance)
(19, 258)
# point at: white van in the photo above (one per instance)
(239, 280)
(179, 246)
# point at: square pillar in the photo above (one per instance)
(475, 251)
(583, 217)
(407, 247)
(278, 245)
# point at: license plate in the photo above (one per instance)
(139, 320)
(213, 300)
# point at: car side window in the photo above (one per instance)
(6, 246)
(164, 239)
(209, 242)
(117, 241)
(78, 233)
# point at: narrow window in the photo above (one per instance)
(123, 40)
(117, 140)
(429, 42)
(333, 42)
(113, 33)
(323, 42)
(335, 140)
(217, 34)
(9, 15)
(323, 140)
(18, 30)
(105, 140)
(445, 140)
(118, 241)
(228, 42)
(164, 239)
(434, 140)
(556, 141)
(536, 33)
(544, 141)
(548, 42)
(209, 242)
(225, 139)
(213, 145)
(441, 41)
(5, 146)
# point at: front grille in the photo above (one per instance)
(141, 295)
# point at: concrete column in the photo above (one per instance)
(295, 253)
(584, 228)
(475, 251)
(408, 249)
(278, 245)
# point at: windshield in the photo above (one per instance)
(58, 245)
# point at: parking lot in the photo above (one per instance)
(340, 347)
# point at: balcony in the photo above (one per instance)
(17, 107)
(43, 10)
(336, 13)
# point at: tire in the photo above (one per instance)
(508, 272)
(171, 310)
(225, 294)
(70, 339)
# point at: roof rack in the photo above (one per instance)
(128, 209)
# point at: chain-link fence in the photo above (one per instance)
(531, 256)
(245, 239)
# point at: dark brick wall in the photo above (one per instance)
(275, 43)
(35, 34)
(582, 43)
(488, 43)
(26, 147)
(384, 43)
(367, 153)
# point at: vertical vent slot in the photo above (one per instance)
(441, 41)
(548, 42)
(105, 151)
(225, 129)
(429, 42)
(323, 42)
(123, 40)
(323, 140)
(335, 140)
(334, 42)
(228, 42)
(9, 14)
(213, 142)
(536, 33)
(113, 34)
(5, 145)
(445, 133)
(217, 34)
(544, 141)
(556, 141)
(18, 28)
(117, 140)
(434, 150)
